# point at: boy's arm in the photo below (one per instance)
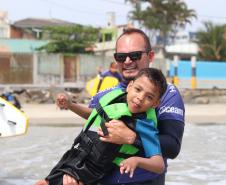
(154, 164)
(80, 110)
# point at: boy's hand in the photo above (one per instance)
(128, 166)
(63, 101)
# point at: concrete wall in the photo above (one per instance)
(204, 70)
(208, 74)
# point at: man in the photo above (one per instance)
(133, 53)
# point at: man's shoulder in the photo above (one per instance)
(171, 92)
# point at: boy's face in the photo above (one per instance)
(142, 95)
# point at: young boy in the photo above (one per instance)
(92, 159)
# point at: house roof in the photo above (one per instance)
(20, 45)
(39, 23)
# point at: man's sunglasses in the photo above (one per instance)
(135, 55)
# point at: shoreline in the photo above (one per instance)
(205, 113)
(50, 115)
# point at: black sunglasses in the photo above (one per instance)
(135, 55)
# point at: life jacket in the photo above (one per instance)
(92, 158)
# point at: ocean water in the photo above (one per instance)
(202, 160)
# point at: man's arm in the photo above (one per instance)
(170, 137)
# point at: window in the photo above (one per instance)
(108, 37)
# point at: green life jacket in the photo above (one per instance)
(90, 159)
(110, 110)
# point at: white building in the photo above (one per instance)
(183, 46)
(4, 25)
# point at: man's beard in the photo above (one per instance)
(127, 79)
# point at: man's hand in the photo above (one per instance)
(68, 180)
(119, 133)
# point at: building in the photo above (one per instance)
(183, 46)
(108, 35)
(16, 59)
(4, 25)
(33, 28)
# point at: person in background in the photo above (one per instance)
(10, 96)
(99, 70)
(113, 71)
(133, 52)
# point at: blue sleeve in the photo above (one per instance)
(171, 106)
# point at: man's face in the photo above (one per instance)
(142, 95)
(130, 43)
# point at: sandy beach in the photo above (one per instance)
(50, 115)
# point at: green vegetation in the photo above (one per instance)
(70, 39)
(212, 42)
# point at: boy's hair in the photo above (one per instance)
(130, 31)
(155, 76)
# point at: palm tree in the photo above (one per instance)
(137, 13)
(212, 42)
(165, 16)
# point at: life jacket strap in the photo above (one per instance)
(102, 113)
(104, 118)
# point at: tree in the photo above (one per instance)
(212, 42)
(164, 16)
(70, 39)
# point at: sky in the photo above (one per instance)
(94, 12)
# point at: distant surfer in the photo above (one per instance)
(112, 71)
(9, 95)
